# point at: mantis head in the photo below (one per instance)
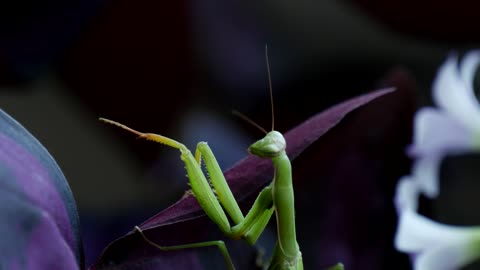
(272, 145)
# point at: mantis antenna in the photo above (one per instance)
(246, 118)
(270, 86)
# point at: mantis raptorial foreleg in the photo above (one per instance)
(249, 227)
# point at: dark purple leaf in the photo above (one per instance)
(39, 226)
(184, 222)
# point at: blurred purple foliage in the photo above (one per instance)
(39, 221)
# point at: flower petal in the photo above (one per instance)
(435, 131)
(406, 194)
(416, 233)
(469, 66)
(446, 257)
(456, 96)
(436, 135)
(426, 172)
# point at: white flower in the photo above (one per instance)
(406, 195)
(453, 127)
(431, 245)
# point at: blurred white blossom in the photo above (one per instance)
(431, 245)
(451, 128)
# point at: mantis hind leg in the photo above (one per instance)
(218, 243)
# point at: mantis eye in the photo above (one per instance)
(270, 146)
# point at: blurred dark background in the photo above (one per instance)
(179, 67)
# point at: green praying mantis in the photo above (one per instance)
(277, 197)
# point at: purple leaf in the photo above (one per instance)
(184, 222)
(39, 226)
(253, 173)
